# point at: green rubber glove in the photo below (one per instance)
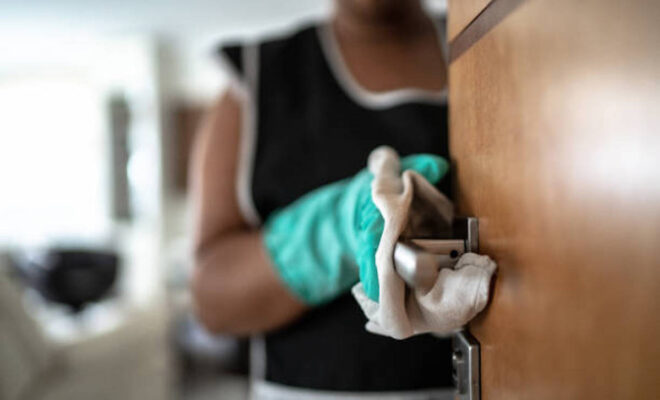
(323, 242)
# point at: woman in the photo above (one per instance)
(305, 111)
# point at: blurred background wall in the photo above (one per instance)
(99, 102)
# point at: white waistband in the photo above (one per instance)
(263, 390)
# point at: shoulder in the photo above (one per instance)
(282, 48)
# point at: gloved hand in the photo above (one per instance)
(323, 242)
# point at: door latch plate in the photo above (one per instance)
(466, 366)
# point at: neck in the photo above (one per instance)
(400, 23)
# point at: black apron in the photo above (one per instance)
(306, 124)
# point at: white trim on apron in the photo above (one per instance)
(263, 390)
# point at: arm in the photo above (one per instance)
(234, 286)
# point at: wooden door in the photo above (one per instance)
(555, 139)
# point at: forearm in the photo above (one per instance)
(235, 288)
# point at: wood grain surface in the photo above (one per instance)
(555, 139)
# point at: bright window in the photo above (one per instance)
(53, 158)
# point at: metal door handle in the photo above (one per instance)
(418, 261)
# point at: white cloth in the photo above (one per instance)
(458, 294)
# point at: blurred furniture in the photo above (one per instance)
(24, 353)
(109, 350)
(73, 277)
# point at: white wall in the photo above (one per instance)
(189, 29)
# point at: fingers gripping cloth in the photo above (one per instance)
(392, 309)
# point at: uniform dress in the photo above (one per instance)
(306, 123)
